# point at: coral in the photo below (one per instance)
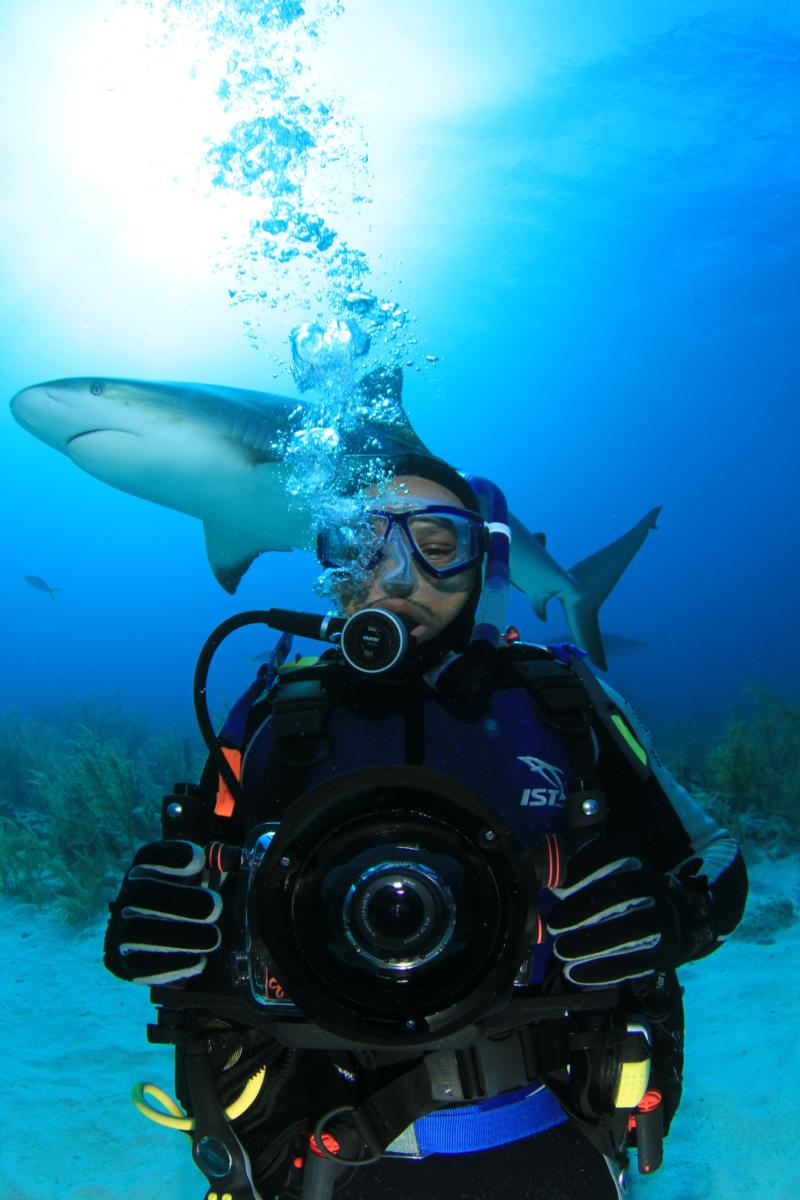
(79, 792)
(24, 745)
(755, 769)
(747, 774)
(764, 920)
(23, 861)
(98, 813)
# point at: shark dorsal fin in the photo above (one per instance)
(384, 383)
(382, 389)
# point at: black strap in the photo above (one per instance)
(300, 711)
(572, 700)
(561, 702)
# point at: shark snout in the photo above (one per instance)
(45, 412)
(32, 407)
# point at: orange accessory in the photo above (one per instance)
(225, 802)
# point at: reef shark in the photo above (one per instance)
(220, 454)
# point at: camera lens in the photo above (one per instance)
(397, 921)
(396, 911)
(399, 915)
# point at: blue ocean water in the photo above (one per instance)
(589, 217)
(582, 221)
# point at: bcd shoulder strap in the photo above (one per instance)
(569, 696)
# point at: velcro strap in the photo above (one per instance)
(474, 1127)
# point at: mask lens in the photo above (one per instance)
(445, 540)
(349, 543)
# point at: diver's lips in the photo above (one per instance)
(403, 609)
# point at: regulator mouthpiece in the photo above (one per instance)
(374, 641)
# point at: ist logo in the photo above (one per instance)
(552, 793)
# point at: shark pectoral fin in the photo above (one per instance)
(230, 552)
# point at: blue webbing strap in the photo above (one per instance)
(492, 1123)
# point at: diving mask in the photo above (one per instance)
(443, 540)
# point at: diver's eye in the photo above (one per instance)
(439, 551)
(435, 538)
(96, 389)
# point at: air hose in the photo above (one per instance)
(175, 1118)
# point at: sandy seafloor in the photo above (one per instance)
(74, 1043)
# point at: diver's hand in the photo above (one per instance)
(616, 919)
(163, 923)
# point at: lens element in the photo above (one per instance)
(399, 915)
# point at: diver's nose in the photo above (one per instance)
(397, 573)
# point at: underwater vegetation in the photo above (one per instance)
(749, 776)
(80, 789)
(749, 779)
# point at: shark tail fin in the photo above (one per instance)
(596, 576)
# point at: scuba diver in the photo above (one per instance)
(415, 931)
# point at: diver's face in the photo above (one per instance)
(398, 582)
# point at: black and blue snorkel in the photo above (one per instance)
(490, 617)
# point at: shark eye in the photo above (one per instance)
(96, 389)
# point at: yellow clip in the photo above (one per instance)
(633, 1080)
(634, 1076)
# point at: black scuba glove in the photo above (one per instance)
(616, 919)
(164, 921)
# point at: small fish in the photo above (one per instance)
(39, 585)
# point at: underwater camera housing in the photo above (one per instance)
(391, 906)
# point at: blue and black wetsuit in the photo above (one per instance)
(520, 764)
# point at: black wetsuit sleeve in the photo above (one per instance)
(676, 835)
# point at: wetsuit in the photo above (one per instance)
(520, 764)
